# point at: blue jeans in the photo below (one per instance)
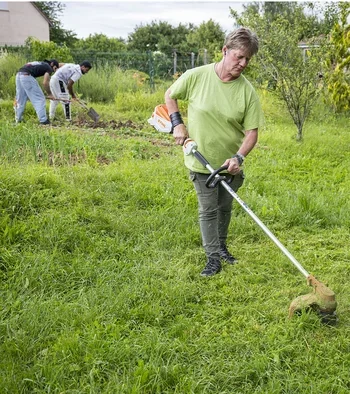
(27, 88)
(214, 207)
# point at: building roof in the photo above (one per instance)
(48, 20)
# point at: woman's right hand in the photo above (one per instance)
(180, 134)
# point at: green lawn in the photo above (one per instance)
(100, 256)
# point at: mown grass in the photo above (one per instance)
(100, 256)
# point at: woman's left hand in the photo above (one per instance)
(233, 166)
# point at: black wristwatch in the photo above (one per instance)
(239, 157)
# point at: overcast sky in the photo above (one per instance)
(120, 18)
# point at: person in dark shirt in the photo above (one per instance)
(28, 88)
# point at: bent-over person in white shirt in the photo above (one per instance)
(61, 86)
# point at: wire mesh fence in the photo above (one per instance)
(156, 64)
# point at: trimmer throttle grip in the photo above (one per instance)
(213, 179)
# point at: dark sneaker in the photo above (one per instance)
(226, 255)
(46, 122)
(213, 267)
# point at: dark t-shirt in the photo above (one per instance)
(36, 69)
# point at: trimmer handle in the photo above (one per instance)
(213, 179)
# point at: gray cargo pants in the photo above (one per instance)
(214, 207)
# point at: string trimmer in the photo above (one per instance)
(322, 300)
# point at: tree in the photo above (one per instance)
(59, 35)
(324, 16)
(338, 62)
(159, 36)
(209, 35)
(100, 43)
(291, 71)
(315, 18)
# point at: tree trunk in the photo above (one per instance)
(300, 133)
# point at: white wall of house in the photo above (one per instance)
(20, 20)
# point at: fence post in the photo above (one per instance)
(205, 60)
(175, 60)
(192, 59)
(151, 70)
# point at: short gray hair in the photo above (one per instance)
(243, 38)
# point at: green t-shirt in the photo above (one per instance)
(218, 113)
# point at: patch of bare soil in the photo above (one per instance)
(111, 124)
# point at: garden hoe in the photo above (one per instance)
(90, 111)
(322, 300)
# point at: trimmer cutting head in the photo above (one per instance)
(322, 301)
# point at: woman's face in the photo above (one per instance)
(236, 60)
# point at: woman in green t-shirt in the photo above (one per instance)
(224, 115)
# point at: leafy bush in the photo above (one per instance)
(337, 62)
(41, 50)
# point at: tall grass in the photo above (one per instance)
(100, 255)
(100, 85)
(9, 65)
(105, 83)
